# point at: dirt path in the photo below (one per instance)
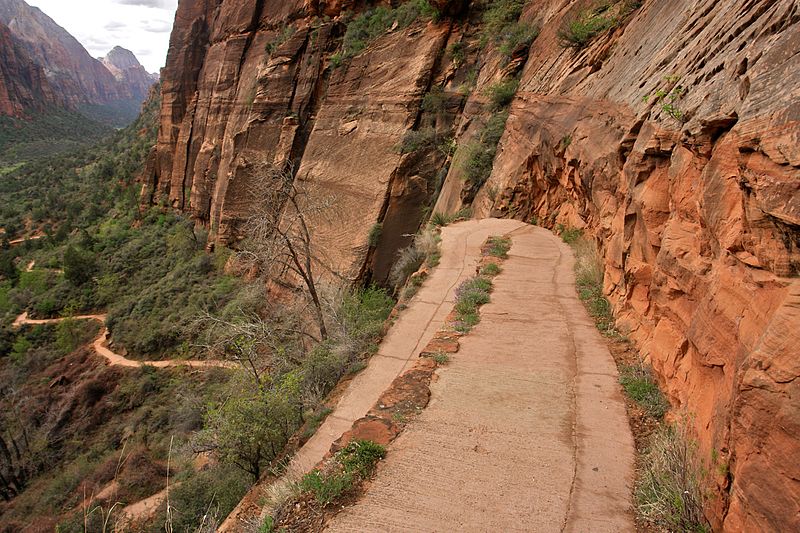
(526, 428)
(17, 242)
(100, 345)
(413, 330)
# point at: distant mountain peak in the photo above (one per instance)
(121, 58)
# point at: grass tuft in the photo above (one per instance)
(492, 269)
(639, 384)
(669, 491)
(498, 247)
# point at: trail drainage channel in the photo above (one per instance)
(526, 428)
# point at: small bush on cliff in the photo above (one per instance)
(480, 153)
(280, 38)
(415, 140)
(375, 233)
(578, 31)
(669, 491)
(503, 27)
(370, 25)
(502, 93)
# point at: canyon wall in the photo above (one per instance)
(695, 205)
(23, 84)
(697, 217)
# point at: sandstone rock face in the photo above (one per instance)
(23, 84)
(696, 206)
(71, 73)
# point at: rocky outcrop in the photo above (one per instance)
(23, 84)
(692, 193)
(129, 72)
(72, 74)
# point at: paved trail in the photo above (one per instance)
(100, 345)
(461, 244)
(526, 429)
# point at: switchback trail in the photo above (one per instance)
(526, 427)
(100, 345)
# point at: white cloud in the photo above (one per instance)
(140, 25)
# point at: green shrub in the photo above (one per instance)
(498, 246)
(502, 26)
(375, 234)
(326, 487)
(415, 140)
(517, 36)
(441, 219)
(502, 93)
(641, 387)
(213, 492)
(434, 100)
(492, 269)
(458, 53)
(283, 35)
(315, 420)
(568, 235)
(479, 154)
(376, 22)
(360, 457)
(470, 295)
(579, 30)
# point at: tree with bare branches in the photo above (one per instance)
(278, 240)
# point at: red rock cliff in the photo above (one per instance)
(696, 207)
(23, 84)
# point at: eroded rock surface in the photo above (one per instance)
(698, 218)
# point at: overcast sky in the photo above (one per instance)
(141, 26)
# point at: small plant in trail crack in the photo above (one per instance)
(470, 295)
(441, 358)
(498, 247)
(667, 98)
(351, 464)
(492, 269)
